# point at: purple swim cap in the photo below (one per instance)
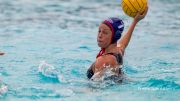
(117, 26)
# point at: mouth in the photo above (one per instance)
(99, 41)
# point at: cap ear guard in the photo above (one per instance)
(117, 35)
(117, 26)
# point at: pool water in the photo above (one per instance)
(50, 44)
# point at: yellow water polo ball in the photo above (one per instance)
(131, 7)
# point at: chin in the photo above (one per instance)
(100, 45)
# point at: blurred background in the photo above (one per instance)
(62, 34)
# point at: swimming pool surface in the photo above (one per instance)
(50, 44)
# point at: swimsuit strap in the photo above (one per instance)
(101, 52)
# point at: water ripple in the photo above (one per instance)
(163, 84)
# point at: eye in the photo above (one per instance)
(105, 32)
(99, 31)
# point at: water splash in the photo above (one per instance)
(105, 73)
(47, 70)
(50, 71)
(3, 88)
(106, 77)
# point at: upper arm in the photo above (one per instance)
(124, 40)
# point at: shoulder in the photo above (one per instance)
(106, 60)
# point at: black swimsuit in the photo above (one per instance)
(119, 59)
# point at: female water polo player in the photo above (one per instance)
(112, 45)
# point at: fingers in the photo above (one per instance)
(145, 12)
(140, 15)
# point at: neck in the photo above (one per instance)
(110, 48)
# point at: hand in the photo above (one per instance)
(140, 16)
(1, 53)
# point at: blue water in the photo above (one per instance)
(61, 36)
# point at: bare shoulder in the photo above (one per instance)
(106, 60)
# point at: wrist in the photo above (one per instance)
(135, 20)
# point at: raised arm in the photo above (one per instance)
(123, 42)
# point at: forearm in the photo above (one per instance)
(124, 41)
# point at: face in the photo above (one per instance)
(104, 36)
